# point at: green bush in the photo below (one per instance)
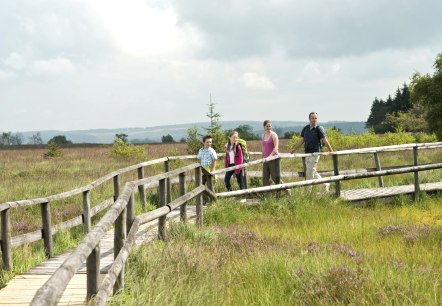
(127, 150)
(370, 139)
(53, 150)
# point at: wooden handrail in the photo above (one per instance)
(56, 284)
(330, 179)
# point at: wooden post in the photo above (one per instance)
(246, 183)
(86, 212)
(304, 166)
(6, 240)
(278, 168)
(199, 199)
(417, 187)
(168, 187)
(47, 228)
(119, 238)
(93, 272)
(162, 198)
(141, 190)
(378, 168)
(130, 213)
(183, 208)
(336, 172)
(210, 182)
(116, 186)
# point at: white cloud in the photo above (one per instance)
(136, 28)
(15, 61)
(255, 80)
(6, 75)
(51, 67)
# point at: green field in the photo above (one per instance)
(304, 249)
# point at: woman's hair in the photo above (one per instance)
(229, 144)
(266, 121)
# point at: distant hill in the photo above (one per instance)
(178, 131)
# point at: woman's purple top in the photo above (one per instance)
(267, 145)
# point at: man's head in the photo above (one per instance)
(313, 118)
(207, 140)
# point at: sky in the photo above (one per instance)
(87, 64)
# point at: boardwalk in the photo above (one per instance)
(383, 192)
(22, 288)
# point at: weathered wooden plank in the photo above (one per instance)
(383, 192)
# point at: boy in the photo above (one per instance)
(207, 156)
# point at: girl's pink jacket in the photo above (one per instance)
(238, 160)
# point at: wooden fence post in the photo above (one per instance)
(183, 208)
(119, 238)
(168, 187)
(86, 212)
(304, 166)
(116, 186)
(141, 190)
(210, 182)
(378, 168)
(416, 174)
(162, 198)
(47, 228)
(130, 213)
(336, 172)
(278, 167)
(245, 179)
(199, 199)
(93, 272)
(6, 240)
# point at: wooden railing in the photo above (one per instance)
(122, 216)
(48, 230)
(340, 175)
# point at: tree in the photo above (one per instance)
(167, 139)
(193, 140)
(411, 121)
(380, 110)
(245, 132)
(35, 139)
(59, 139)
(123, 137)
(426, 91)
(10, 139)
(215, 129)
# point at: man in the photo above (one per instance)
(311, 136)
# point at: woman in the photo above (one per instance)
(234, 157)
(270, 144)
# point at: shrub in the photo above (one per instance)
(127, 150)
(370, 139)
(53, 150)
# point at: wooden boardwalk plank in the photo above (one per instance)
(21, 289)
(382, 192)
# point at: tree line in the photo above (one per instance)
(414, 108)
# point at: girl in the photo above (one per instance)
(234, 157)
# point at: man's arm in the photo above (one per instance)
(213, 165)
(329, 147)
(297, 145)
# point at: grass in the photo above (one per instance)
(270, 236)
(294, 250)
